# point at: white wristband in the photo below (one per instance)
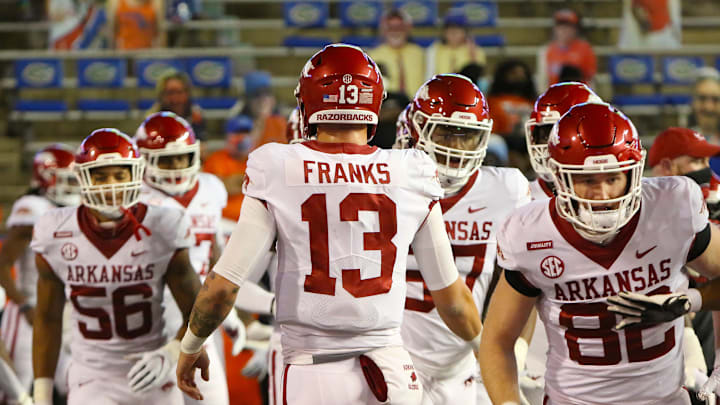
(191, 344)
(695, 299)
(475, 342)
(43, 390)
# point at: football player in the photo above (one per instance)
(53, 184)
(111, 258)
(450, 121)
(548, 109)
(345, 215)
(607, 230)
(173, 179)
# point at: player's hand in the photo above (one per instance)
(238, 336)
(708, 391)
(187, 363)
(639, 309)
(23, 400)
(257, 366)
(695, 367)
(152, 368)
(257, 330)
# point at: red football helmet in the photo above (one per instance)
(109, 147)
(549, 107)
(339, 85)
(450, 110)
(402, 130)
(163, 135)
(590, 139)
(293, 131)
(53, 174)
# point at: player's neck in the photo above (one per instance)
(104, 220)
(354, 134)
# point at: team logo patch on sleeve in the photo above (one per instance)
(543, 244)
(552, 267)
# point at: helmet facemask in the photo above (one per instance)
(65, 191)
(172, 181)
(593, 219)
(536, 138)
(110, 199)
(455, 164)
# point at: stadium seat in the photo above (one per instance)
(423, 41)
(149, 71)
(106, 73)
(306, 14)
(306, 42)
(356, 14)
(478, 13)
(491, 40)
(680, 69)
(39, 74)
(211, 73)
(423, 13)
(361, 41)
(631, 70)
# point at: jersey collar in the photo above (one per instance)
(109, 240)
(186, 199)
(347, 148)
(604, 255)
(447, 203)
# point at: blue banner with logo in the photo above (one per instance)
(306, 14)
(423, 13)
(209, 72)
(680, 69)
(101, 72)
(38, 73)
(149, 71)
(360, 13)
(631, 69)
(478, 13)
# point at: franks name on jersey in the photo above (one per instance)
(109, 273)
(572, 278)
(488, 197)
(343, 173)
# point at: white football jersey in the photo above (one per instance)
(345, 216)
(472, 217)
(540, 190)
(113, 280)
(588, 360)
(203, 205)
(25, 212)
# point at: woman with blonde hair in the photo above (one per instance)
(174, 93)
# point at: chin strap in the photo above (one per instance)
(137, 226)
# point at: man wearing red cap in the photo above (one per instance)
(679, 151)
(565, 49)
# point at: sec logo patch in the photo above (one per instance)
(69, 251)
(552, 267)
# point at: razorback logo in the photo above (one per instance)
(543, 244)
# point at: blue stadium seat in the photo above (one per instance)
(639, 99)
(211, 72)
(300, 41)
(39, 74)
(491, 40)
(354, 14)
(424, 41)
(424, 13)
(108, 73)
(306, 14)
(678, 99)
(361, 41)
(478, 13)
(680, 69)
(632, 69)
(148, 71)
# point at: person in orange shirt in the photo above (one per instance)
(229, 163)
(565, 48)
(136, 24)
(650, 24)
(261, 106)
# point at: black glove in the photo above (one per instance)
(643, 310)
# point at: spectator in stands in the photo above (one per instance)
(174, 93)
(261, 106)
(403, 62)
(229, 164)
(650, 24)
(74, 24)
(456, 48)
(565, 48)
(705, 117)
(511, 99)
(136, 24)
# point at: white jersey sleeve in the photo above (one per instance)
(217, 188)
(177, 229)
(28, 209)
(254, 184)
(698, 207)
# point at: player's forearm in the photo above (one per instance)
(215, 300)
(7, 283)
(47, 337)
(498, 368)
(457, 309)
(710, 293)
